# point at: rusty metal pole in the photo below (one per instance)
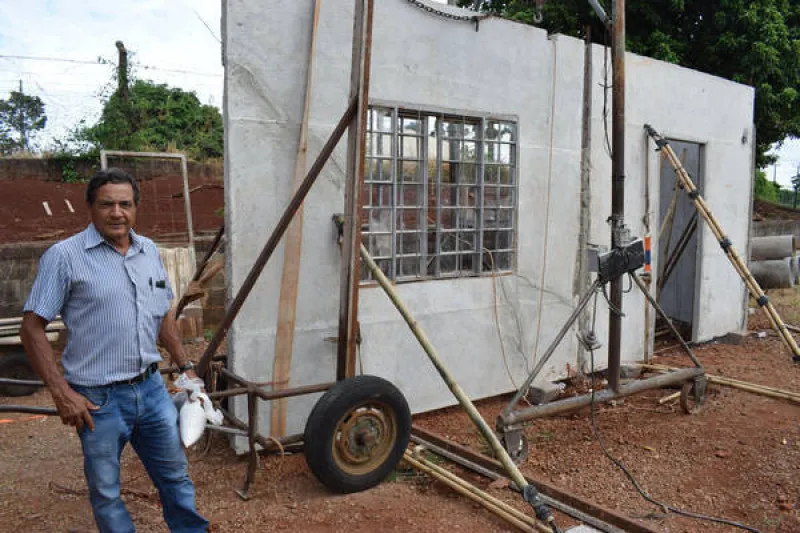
(356, 144)
(274, 238)
(617, 185)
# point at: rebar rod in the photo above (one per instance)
(663, 315)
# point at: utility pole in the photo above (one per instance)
(23, 140)
(619, 234)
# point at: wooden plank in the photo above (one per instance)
(351, 242)
(287, 303)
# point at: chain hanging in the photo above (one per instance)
(444, 14)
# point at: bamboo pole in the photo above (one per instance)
(755, 388)
(511, 515)
(462, 398)
(730, 251)
(669, 398)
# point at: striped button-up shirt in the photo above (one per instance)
(112, 305)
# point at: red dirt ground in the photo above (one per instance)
(23, 218)
(739, 458)
(767, 211)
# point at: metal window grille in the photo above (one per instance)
(439, 197)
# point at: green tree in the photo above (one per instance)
(156, 117)
(21, 117)
(755, 42)
(765, 189)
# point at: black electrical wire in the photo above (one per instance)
(628, 473)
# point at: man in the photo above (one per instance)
(110, 287)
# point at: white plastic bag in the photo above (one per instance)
(195, 409)
(189, 384)
(192, 421)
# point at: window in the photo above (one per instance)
(439, 196)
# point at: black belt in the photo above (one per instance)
(152, 369)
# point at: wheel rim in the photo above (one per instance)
(364, 438)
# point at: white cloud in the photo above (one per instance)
(157, 33)
(788, 164)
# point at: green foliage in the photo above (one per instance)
(156, 117)
(752, 42)
(68, 172)
(765, 189)
(21, 117)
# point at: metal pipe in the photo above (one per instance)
(227, 393)
(272, 394)
(672, 260)
(187, 203)
(50, 411)
(21, 382)
(296, 391)
(666, 319)
(553, 345)
(601, 13)
(462, 398)
(539, 411)
(617, 186)
(267, 444)
(356, 145)
(273, 240)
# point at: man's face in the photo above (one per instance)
(114, 212)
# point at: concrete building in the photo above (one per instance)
(473, 194)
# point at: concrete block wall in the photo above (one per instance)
(52, 169)
(18, 264)
(214, 304)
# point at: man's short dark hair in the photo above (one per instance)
(111, 175)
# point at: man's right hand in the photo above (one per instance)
(73, 408)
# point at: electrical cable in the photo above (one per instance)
(546, 236)
(103, 61)
(619, 464)
(606, 87)
(497, 319)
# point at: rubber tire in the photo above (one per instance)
(322, 423)
(16, 366)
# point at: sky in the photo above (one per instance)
(161, 36)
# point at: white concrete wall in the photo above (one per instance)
(506, 69)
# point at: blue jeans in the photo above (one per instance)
(144, 415)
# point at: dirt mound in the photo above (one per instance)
(161, 213)
(768, 211)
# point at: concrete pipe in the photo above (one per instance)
(774, 273)
(772, 247)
